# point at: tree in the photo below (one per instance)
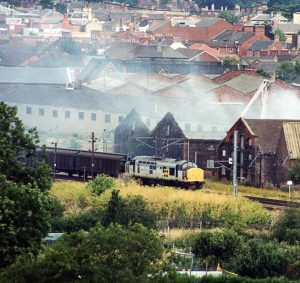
(70, 46)
(25, 204)
(286, 71)
(227, 61)
(19, 159)
(257, 258)
(47, 4)
(229, 17)
(24, 222)
(111, 254)
(278, 32)
(294, 172)
(217, 246)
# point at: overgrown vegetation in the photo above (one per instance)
(294, 172)
(100, 184)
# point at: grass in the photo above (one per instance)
(209, 206)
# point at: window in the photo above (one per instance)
(42, 112)
(93, 116)
(250, 142)
(55, 113)
(67, 114)
(223, 152)
(250, 156)
(107, 118)
(28, 110)
(187, 127)
(167, 130)
(81, 115)
(172, 171)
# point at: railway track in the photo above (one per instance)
(274, 203)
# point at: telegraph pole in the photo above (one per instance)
(93, 149)
(234, 176)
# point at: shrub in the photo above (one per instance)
(100, 184)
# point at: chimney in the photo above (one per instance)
(213, 6)
(259, 31)
(248, 29)
(222, 8)
(226, 8)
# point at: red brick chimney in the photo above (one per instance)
(260, 32)
(248, 28)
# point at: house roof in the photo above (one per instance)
(60, 61)
(189, 53)
(260, 45)
(208, 49)
(267, 131)
(152, 51)
(268, 17)
(206, 22)
(143, 23)
(289, 27)
(291, 132)
(20, 75)
(157, 26)
(245, 83)
(234, 36)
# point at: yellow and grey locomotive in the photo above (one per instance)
(165, 171)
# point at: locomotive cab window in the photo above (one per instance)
(172, 172)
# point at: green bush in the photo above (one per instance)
(100, 184)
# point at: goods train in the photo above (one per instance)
(84, 163)
(150, 170)
(165, 171)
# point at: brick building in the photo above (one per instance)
(262, 149)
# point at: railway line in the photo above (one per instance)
(274, 203)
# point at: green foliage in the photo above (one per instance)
(128, 211)
(17, 149)
(47, 4)
(278, 32)
(287, 71)
(294, 172)
(229, 17)
(286, 7)
(217, 246)
(100, 184)
(287, 228)
(227, 61)
(69, 45)
(257, 258)
(24, 221)
(61, 8)
(111, 254)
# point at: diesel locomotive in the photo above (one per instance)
(165, 171)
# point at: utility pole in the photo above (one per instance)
(54, 160)
(234, 176)
(93, 150)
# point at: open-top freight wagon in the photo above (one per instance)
(86, 163)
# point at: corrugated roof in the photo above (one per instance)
(244, 83)
(292, 137)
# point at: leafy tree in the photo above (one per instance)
(70, 46)
(287, 228)
(24, 221)
(257, 258)
(47, 4)
(136, 210)
(227, 61)
(114, 210)
(278, 32)
(18, 152)
(61, 8)
(112, 254)
(229, 17)
(286, 71)
(294, 172)
(217, 246)
(100, 184)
